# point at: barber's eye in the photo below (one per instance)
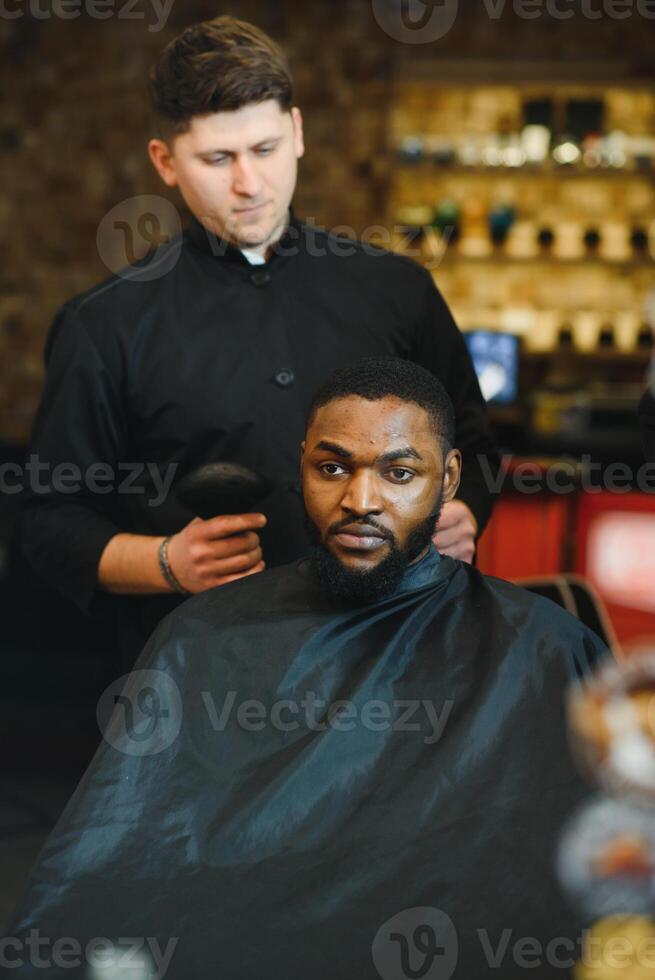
(400, 474)
(265, 150)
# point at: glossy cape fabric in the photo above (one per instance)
(275, 850)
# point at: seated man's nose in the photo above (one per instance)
(361, 498)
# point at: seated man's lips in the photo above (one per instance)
(361, 537)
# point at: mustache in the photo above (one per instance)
(371, 522)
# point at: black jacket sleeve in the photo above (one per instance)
(442, 349)
(78, 437)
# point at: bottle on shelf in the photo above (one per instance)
(500, 220)
(591, 239)
(446, 220)
(545, 240)
(566, 151)
(410, 149)
(606, 337)
(639, 242)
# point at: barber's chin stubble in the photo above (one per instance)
(355, 586)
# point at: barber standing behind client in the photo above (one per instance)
(216, 357)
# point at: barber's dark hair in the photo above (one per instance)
(379, 377)
(215, 66)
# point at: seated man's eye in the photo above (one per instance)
(331, 469)
(401, 475)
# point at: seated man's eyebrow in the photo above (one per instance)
(404, 452)
(334, 447)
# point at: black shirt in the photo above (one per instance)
(647, 423)
(200, 356)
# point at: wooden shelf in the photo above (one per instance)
(427, 168)
(453, 258)
(415, 65)
(600, 356)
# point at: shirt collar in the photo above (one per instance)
(224, 251)
(421, 572)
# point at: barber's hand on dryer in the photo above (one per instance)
(213, 552)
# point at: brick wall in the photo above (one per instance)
(76, 121)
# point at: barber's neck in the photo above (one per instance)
(265, 249)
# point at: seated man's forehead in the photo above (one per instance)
(386, 420)
(354, 407)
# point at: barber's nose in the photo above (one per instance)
(362, 495)
(246, 180)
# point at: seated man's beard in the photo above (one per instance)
(356, 586)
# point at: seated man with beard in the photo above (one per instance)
(353, 766)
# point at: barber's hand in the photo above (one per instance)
(208, 553)
(456, 531)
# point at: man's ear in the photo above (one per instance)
(452, 474)
(299, 137)
(162, 160)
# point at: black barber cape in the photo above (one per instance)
(286, 785)
(199, 357)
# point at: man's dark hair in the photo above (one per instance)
(217, 66)
(379, 377)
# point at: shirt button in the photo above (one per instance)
(284, 377)
(260, 278)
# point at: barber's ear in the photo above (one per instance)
(452, 474)
(298, 137)
(162, 160)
